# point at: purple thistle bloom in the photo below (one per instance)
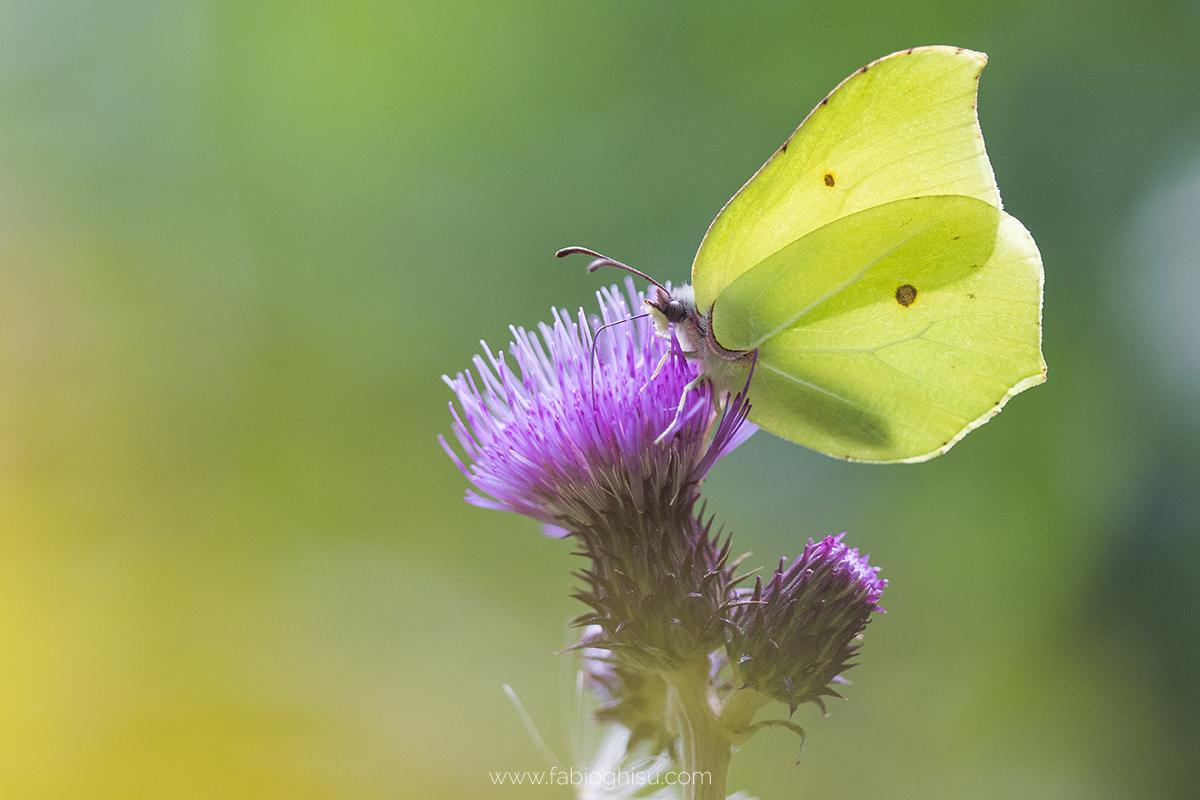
(600, 429)
(568, 438)
(797, 634)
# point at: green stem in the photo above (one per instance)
(739, 710)
(704, 740)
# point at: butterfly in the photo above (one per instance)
(866, 276)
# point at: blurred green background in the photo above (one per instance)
(240, 241)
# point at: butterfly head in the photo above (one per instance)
(678, 308)
(675, 308)
(671, 308)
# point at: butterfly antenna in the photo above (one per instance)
(593, 357)
(601, 260)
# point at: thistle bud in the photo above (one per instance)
(797, 632)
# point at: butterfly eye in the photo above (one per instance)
(674, 311)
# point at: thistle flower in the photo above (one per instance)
(796, 634)
(568, 437)
(589, 427)
(574, 439)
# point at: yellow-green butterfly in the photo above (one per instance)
(867, 271)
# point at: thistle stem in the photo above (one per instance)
(740, 707)
(704, 740)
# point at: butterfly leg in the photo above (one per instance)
(679, 410)
(722, 408)
(661, 362)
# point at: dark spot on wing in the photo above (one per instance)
(829, 179)
(971, 296)
(910, 50)
(825, 101)
(906, 295)
(954, 238)
(784, 148)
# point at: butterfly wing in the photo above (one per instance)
(900, 127)
(888, 334)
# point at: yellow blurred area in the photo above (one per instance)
(240, 242)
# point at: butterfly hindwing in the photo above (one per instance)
(888, 334)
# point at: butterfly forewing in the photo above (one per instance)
(903, 126)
